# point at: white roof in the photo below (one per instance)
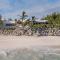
(38, 20)
(9, 21)
(23, 20)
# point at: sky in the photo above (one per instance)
(38, 8)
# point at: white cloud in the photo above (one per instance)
(37, 9)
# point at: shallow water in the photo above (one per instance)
(42, 53)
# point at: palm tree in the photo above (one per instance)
(32, 25)
(23, 17)
(33, 18)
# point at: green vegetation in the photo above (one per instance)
(38, 25)
(23, 17)
(1, 22)
(53, 19)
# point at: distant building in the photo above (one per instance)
(9, 24)
(40, 21)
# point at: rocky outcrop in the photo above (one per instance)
(47, 32)
(31, 32)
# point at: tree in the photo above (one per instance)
(23, 17)
(53, 19)
(33, 18)
(1, 22)
(0, 17)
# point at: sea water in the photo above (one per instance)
(41, 53)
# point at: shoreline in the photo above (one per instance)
(13, 42)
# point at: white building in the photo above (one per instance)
(9, 24)
(38, 21)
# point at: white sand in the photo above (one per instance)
(28, 41)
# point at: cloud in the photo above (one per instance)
(12, 8)
(44, 9)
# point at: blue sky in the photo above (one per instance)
(39, 8)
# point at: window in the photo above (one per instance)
(9, 24)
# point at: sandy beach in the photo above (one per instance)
(7, 42)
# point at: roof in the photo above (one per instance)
(38, 20)
(9, 21)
